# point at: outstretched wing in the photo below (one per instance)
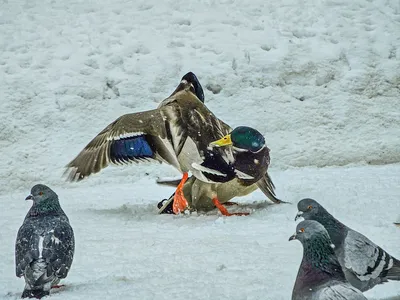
(130, 138)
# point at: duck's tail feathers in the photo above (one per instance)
(266, 185)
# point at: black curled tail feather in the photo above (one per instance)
(34, 294)
(394, 272)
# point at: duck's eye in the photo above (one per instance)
(301, 230)
(309, 207)
(40, 193)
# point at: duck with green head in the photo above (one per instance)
(250, 163)
(241, 176)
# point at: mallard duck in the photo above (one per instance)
(178, 133)
(251, 161)
(201, 195)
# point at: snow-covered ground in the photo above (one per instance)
(124, 250)
(320, 79)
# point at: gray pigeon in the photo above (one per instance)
(320, 275)
(364, 263)
(44, 248)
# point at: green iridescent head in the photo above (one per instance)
(247, 138)
(243, 137)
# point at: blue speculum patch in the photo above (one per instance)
(130, 148)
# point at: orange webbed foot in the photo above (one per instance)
(180, 202)
(225, 212)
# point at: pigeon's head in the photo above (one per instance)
(308, 209)
(244, 138)
(307, 229)
(41, 193)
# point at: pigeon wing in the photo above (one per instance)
(58, 250)
(365, 259)
(25, 247)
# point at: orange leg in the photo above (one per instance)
(224, 211)
(57, 286)
(180, 202)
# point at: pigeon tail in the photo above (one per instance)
(38, 294)
(394, 272)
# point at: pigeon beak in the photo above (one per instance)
(30, 197)
(293, 237)
(299, 213)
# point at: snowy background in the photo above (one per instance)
(320, 79)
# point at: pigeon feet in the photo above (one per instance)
(224, 211)
(180, 202)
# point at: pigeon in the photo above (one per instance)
(44, 247)
(320, 276)
(364, 263)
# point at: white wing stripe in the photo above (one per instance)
(125, 135)
(207, 170)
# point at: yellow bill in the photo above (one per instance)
(225, 141)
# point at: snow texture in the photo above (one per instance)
(320, 79)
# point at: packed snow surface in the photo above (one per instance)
(320, 79)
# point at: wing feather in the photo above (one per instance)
(132, 137)
(362, 257)
(24, 253)
(58, 250)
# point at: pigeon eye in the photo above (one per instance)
(309, 207)
(40, 193)
(301, 230)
